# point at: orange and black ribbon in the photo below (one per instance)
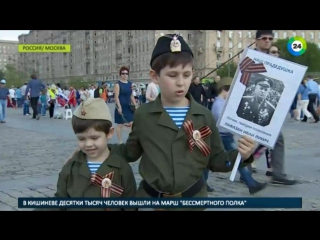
(200, 143)
(248, 66)
(115, 189)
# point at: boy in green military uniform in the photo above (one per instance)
(95, 170)
(177, 137)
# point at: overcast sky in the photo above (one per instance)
(11, 34)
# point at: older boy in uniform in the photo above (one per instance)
(177, 137)
(95, 171)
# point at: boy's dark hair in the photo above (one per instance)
(171, 60)
(82, 125)
(33, 76)
(224, 88)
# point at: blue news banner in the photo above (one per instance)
(160, 203)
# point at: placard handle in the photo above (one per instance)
(235, 168)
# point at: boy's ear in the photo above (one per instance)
(111, 132)
(153, 76)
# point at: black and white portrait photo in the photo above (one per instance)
(260, 99)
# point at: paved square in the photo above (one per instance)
(33, 152)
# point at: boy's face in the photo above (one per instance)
(94, 143)
(174, 82)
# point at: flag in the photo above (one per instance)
(62, 99)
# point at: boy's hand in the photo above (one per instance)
(246, 147)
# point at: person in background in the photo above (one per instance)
(293, 108)
(142, 97)
(135, 95)
(264, 40)
(39, 105)
(23, 91)
(313, 91)
(44, 102)
(36, 87)
(84, 95)
(66, 91)
(4, 95)
(91, 91)
(13, 96)
(103, 93)
(19, 97)
(212, 91)
(59, 88)
(26, 104)
(78, 95)
(152, 92)
(125, 102)
(72, 98)
(53, 95)
(197, 91)
(303, 101)
(227, 138)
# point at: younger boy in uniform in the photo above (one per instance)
(177, 137)
(95, 171)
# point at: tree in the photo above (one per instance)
(78, 82)
(12, 76)
(228, 70)
(311, 58)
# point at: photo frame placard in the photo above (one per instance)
(260, 96)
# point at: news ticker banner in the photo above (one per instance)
(159, 202)
(44, 48)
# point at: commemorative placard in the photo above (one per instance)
(260, 97)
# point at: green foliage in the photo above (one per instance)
(1, 74)
(12, 76)
(206, 80)
(311, 58)
(228, 70)
(78, 82)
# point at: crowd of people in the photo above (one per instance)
(170, 165)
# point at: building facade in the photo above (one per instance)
(8, 53)
(99, 54)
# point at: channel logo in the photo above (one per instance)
(44, 48)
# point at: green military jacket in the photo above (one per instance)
(166, 163)
(74, 178)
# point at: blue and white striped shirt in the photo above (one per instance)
(94, 166)
(177, 114)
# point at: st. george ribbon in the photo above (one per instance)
(247, 66)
